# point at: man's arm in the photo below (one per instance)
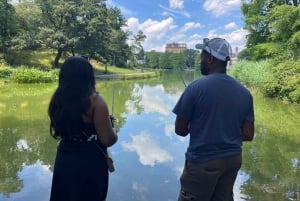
(248, 131)
(181, 126)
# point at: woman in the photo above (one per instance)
(79, 117)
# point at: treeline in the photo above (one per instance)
(188, 59)
(273, 47)
(82, 27)
(274, 29)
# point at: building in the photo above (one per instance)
(175, 47)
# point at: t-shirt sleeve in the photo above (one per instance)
(184, 106)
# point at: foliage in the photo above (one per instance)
(5, 72)
(8, 27)
(244, 54)
(286, 81)
(32, 75)
(279, 80)
(252, 73)
(28, 16)
(190, 57)
(81, 27)
(266, 50)
(152, 59)
(273, 26)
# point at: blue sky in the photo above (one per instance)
(183, 21)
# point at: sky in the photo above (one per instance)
(183, 21)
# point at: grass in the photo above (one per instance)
(28, 67)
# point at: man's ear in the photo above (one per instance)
(210, 59)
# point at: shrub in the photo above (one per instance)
(32, 75)
(280, 80)
(287, 74)
(5, 72)
(252, 73)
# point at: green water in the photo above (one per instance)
(148, 156)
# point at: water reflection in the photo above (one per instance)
(149, 157)
(148, 149)
(35, 179)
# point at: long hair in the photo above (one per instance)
(71, 98)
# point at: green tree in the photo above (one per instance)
(118, 48)
(8, 27)
(137, 49)
(271, 24)
(285, 28)
(28, 16)
(178, 60)
(61, 20)
(153, 59)
(74, 24)
(190, 55)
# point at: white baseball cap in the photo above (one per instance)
(217, 47)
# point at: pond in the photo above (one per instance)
(148, 156)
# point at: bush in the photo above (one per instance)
(280, 80)
(5, 72)
(252, 73)
(287, 75)
(32, 75)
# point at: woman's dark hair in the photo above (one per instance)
(71, 98)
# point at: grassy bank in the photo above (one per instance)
(36, 67)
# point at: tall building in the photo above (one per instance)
(175, 47)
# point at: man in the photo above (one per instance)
(217, 112)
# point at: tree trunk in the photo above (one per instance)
(57, 57)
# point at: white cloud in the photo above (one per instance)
(220, 7)
(169, 130)
(152, 101)
(174, 4)
(237, 39)
(190, 25)
(231, 25)
(156, 31)
(148, 149)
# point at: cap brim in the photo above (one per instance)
(199, 46)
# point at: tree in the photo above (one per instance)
(136, 46)
(153, 59)
(118, 48)
(60, 26)
(190, 55)
(74, 24)
(28, 16)
(7, 25)
(285, 27)
(271, 24)
(255, 17)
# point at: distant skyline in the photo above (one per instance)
(183, 21)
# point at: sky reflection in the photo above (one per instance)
(148, 149)
(36, 180)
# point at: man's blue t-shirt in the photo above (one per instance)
(216, 106)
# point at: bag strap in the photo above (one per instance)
(105, 154)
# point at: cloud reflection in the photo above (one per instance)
(148, 149)
(22, 145)
(152, 100)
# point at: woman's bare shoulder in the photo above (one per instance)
(98, 100)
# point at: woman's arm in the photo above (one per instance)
(102, 121)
